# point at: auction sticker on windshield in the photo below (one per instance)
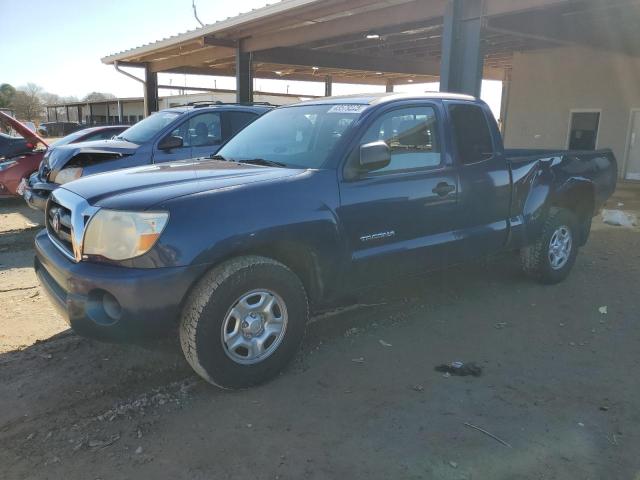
(347, 108)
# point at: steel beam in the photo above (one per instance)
(150, 91)
(347, 61)
(462, 55)
(389, 86)
(244, 75)
(504, 102)
(328, 85)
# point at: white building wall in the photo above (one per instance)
(547, 85)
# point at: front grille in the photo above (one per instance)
(59, 226)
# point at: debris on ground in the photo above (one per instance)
(358, 360)
(619, 218)
(489, 434)
(500, 325)
(417, 388)
(460, 369)
(351, 332)
(385, 344)
(98, 444)
(453, 464)
(603, 309)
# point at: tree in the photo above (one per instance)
(7, 92)
(50, 98)
(93, 96)
(27, 103)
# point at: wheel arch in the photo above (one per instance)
(301, 259)
(577, 196)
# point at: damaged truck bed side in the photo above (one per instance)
(309, 202)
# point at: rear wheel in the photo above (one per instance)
(552, 256)
(243, 322)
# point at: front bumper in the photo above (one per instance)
(36, 193)
(147, 301)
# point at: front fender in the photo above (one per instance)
(210, 227)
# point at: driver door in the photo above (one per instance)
(400, 219)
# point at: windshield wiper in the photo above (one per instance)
(262, 161)
(120, 137)
(218, 157)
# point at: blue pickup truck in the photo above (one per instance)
(307, 203)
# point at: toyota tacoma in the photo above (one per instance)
(307, 203)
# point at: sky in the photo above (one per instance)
(62, 53)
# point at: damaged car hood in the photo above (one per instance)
(27, 134)
(58, 157)
(139, 188)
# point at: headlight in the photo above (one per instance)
(6, 164)
(67, 175)
(120, 235)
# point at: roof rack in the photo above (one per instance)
(206, 103)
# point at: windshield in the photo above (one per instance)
(298, 137)
(146, 129)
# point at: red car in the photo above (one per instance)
(15, 169)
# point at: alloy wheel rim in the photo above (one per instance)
(254, 326)
(560, 247)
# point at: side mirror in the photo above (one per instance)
(171, 142)
(374, 156)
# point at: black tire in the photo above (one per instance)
(535, 258)
(201, 326)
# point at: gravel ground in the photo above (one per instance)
(362, 400)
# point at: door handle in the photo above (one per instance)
(443, 188)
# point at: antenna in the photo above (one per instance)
(195, 12)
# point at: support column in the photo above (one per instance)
(504, 101)
(119, 111)
(389, 86)
(90, 113)
(150, 91)
(66, 110)
(79, 109)
(328, 85)
(244, 75)
(462, 55)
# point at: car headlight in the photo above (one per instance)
(119, 235)
(6, 164)
(68, 175)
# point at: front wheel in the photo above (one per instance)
(552, 256)
(244, 321)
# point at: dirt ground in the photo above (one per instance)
(362, 399)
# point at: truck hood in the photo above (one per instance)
(58, 157)
(140, 188)
(27, 134)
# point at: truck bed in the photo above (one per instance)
(597, 166)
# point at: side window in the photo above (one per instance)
(239, 120)
(471, 133)
(182, 131)
(200, 130)
(412, 136)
